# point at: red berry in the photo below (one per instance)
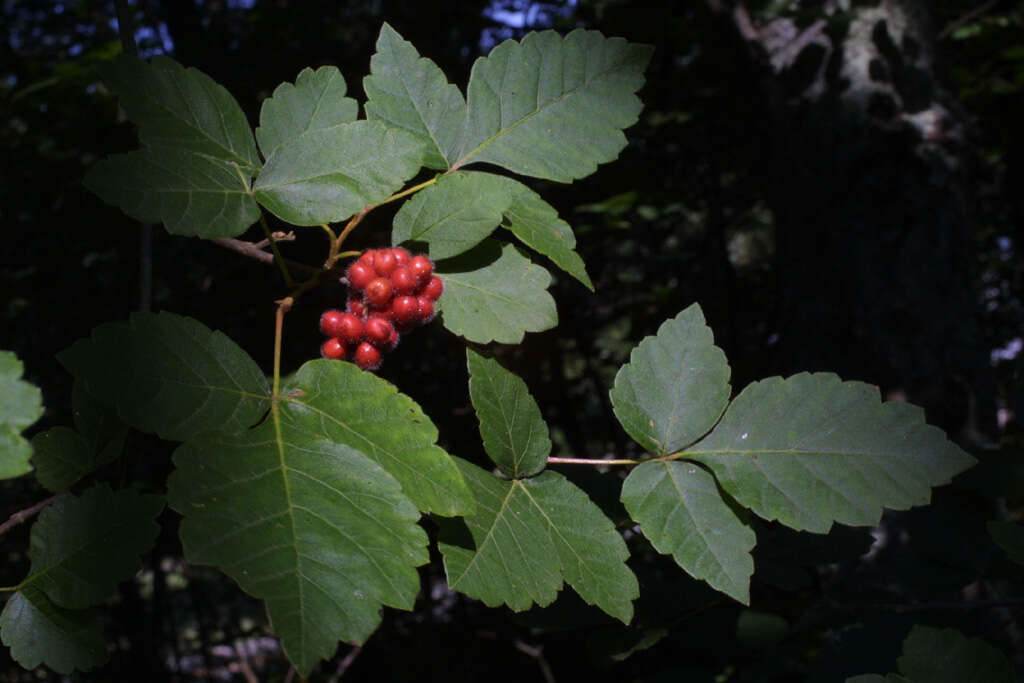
(384, 262)
(379, 291)
(422, 268)
(403, 281)
(402, 256)
(426, 309)
(367, 357)
(350, 328)
(360, 275)
(329, 322)
(393, 339)
(333, 349)
(356, 306)
(378, 331)
(433, 289)
(405, 309)
(367, 257)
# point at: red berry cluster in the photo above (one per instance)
(390, 292)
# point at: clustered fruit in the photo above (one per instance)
(390, 292)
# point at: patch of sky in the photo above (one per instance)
(516, 16)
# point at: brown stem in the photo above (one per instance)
(345, 663)
(254, 251)
(22, 515)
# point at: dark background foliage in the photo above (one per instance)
(864, 222)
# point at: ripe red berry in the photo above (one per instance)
(422, 267)
(333, 349)
(367, 257)
(378, 291)
(433, 289)
(426, 309)
(405, 309)
(356, 306)
(393, 339)
(378, 331)
(329, 321)
(403, 281)
(402, 256)
(384, 262)
(360, 274)
(349, 328)
(367, 357)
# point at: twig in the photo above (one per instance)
(537, 652)
(345, 663)
(589, 461)
(290, 676)
(253, 251)
(974, 13)
(20, 516)
(243, 663)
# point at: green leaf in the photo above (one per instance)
(21, 404)
(529, 534)
(877, 678)
(682, 513)
(358, 409)
(182, 109)
(411, 92)
(674, 387)
(537, 225)
(1009, 537)
(945, 656)
(82, 547)
(189, 193)
(514, 433)
(811, 449)
(317, 101)
(62, 456)
(97, 423)
(454, 214)
(494, 293)
(313, 527)
(39, 632)
(170, 375)
(329, 174)
(553, 107)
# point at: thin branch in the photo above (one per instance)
(345, 663)
(22, 515)
(254, 251)
(973, 14)
(590, 461)
(537, 652)
(243, 663)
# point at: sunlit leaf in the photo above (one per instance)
(529, 534)
(411, 92)
(682, 513)
(515, 435)
(812, 449)
(553, 107)
(494, 293)
(315, 102)
(674, 387)
(21, 404)
(170, 375)
(39, 632)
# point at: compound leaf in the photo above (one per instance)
(935, 655)
(515, 435)
(316, 101)
(674, 387)
(191, 194)
(410, 92)
(682, 513)
(494, 293)
(811, 449)
(527, 535)
(327, 175)
(83, 546)
(40, 632)
(21, 404)
(170, 375)
(310, 525)
(454, 214)
(182, 108)
(553, 107)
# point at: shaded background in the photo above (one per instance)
(837, 183)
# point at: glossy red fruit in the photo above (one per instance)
(378, 292)
(403, 281)
(405, 310)
(378, 331)
(360, 274)
(333, 348)
(393, 339)
(367, 257)
(433, 289)
(356, 306)
(349, 328)
(402, 256)
(329, 322)
(384, 262)
(422, 267)
(426, 309)
(366, 356)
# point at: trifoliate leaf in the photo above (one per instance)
(39, 632)
(682, 513)
(62, 456)
(553, 107)
(529, 534)
(812, 449)
(349, 406)
(454, 214)
(21, 404)
(313, 527)
(1009, 537)
(170, 375)
(935, 655)
(82, 547)
(410, 92)
(674, 387)
(315, 102)
(494, 293)
(515, 435)
(329, 174)
(191, 194)
(182, 109)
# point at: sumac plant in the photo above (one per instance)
(308, 489)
